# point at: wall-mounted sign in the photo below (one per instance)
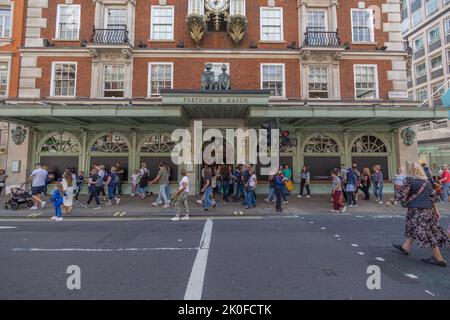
(15, 166)
(398, 95)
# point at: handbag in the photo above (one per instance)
(289, 185)
(405, 203)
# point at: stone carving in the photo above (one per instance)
(408, 135)
(197, 28)
(237, 27)
(208, 80)
(224, 82)
(18, 135)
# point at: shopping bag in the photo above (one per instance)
(289, 185)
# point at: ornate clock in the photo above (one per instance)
(217, 12)
(217, 5)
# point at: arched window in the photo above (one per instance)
(369, 144)
(158, 143)
(110, 143)
(321, 144)
(60, 143)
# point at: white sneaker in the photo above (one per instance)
(97, 207)
(43, 204)
(117, 201)
(176, 218)
(59, 219)
(54, 218)
(299, 196)
(33, 208)
(166, 206)
(335, 211)
(344, 209)
(199, 201)
(155, 204)
(285, 202)
(381, 202)
(308, 196)
(186, 217)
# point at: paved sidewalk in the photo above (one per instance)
(135, 207)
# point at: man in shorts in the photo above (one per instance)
(38, 180)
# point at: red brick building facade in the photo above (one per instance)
(331, 72)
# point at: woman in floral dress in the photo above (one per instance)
(422, 216)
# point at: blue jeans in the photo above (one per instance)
(162, 196)
(378, 191)
(207, 198)
(250, 200)
(168, 192)
(225, 187)
(445, 190)
(112, 191)
(58, 211)
(271, 194)
(142, 190)
(239, 191)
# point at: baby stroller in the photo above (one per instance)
(18, 196)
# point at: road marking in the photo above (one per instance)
(354, 245)
(99, 249)
(323, 228)
(337, 236)
(410, 275)
(311, 222)
(379, 259)
(359, 216)
(6, 227)
(116, 214)
(34, 215)
(123, 213)
(430, 293)
(361, 253)
(195, 285)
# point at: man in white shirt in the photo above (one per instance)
(38, 180)
(181, 197)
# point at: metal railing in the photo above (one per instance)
(114, 34)
(314, 38)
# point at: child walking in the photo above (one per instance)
(57, 201)
(134, 182)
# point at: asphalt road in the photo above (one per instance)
(299, 257)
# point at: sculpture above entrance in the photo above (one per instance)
(209, 82)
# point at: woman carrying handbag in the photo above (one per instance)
(422, 217)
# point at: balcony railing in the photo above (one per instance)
(314, 38)
(115, 34)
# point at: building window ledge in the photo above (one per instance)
(160, 41)
(65, 40)
(271, 42)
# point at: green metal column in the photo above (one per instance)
(133, 160)
(82, 162)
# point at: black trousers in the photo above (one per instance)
(278, 195)
(93, 194)
(302, 187)
(366, 190)
(351, 198)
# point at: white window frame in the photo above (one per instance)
(11, 21)
(116, 7)
(149, 86)
(172, 22)
(433, 57)
(261, 9)
(233, 9)
(318, 10)
(328, 81)
(8, 72)
(52, 79)
(375, 66)
(371, 26)
(283, 66)
(428, 34)
(124, 79)
(58, 21)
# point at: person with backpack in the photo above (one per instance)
(239, 186)
(352, 180)
(57, 201)
(95, 184)
(143, 181)
(80, 180)
(112, 183)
